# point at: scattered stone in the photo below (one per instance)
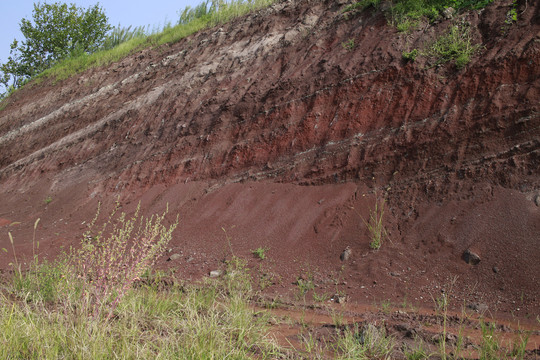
(174, 257)
(346, 254)
(471, 257)
(341, 299)
(215, 273)
(190, 259)
(395, 274)
(448, 13)
(495, 269)
(408, 331)
(477, 307)
(451, 339)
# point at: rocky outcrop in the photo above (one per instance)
(276, 96)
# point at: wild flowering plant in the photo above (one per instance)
(108, 264)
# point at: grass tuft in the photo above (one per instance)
(369, 342)
(454, 45)
(375, 225)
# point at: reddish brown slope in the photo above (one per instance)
(270, 127)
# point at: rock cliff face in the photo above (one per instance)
(281, 126)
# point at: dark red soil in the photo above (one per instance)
(272, 130)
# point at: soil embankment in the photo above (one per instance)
(274, 128)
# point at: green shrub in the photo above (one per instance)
(406, 14)
(260, 252)
(361, 5)
(411, 55)
(454, 45)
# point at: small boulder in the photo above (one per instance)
(448, 13)
(346, 254)
(215, 273)
(451, 339)
(341, 298)
(471, 257)
(407, 330)
(174, 257)
(478, 307)
(537, 200)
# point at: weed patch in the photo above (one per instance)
(375, 225)
(406, 15)
(348, 45)
(304, 285)
(86, 305)
(260, 252)
(369, 342)
(455, 45)
(410, 55)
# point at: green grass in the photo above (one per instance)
(365, 343)
(413, 11)
(348, 45)
(361, 5)
(419, 352)
(491, 347)
(406, 15)
(375, 226)
(410, 55)
(193, 322)
(304, 284)
(260, 252)
(454, 45)
(321, 297)
(169, 35)
(385, 306)
(55, 311)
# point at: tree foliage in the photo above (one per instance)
(57, 31)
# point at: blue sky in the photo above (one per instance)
(135, 12)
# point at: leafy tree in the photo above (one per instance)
(58, 31)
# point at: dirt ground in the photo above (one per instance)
(268, 133)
